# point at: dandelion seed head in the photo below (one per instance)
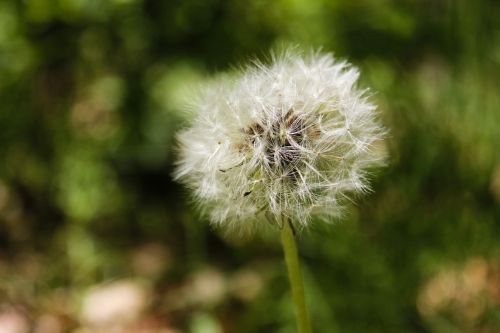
(294, 138)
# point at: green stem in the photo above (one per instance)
(292, 263)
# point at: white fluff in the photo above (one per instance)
(292, 139)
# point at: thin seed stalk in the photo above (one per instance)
(295, 277)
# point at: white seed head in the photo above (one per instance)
(292, 139)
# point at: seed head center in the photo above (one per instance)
(280, 141)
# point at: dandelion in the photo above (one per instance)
(283, 142)
(292, 139)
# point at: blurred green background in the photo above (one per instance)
(96, 237)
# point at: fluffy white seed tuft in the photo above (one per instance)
(292, 139)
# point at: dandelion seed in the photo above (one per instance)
(293, 139)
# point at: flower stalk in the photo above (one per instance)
(295, 277)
